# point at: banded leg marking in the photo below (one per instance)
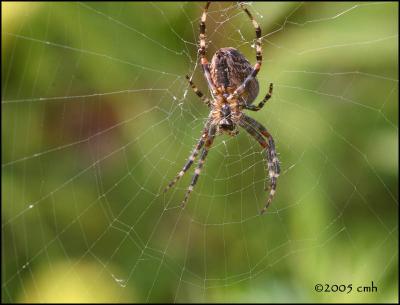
(258, 131)
(190, 161)
(202, 50)
(239, 91)
(200, 94)
(262, 103)
(200, 164)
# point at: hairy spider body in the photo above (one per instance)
(233, 85)
(229, 68)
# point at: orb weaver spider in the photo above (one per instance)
(233, 84)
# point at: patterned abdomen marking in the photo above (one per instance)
(229, 68)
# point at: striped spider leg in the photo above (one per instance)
(202, 51)
(258, 131)
(204, 99)
(205, 140)
(242, 88)
(204, 153)
(192, 157)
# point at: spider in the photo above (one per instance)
(232, 82)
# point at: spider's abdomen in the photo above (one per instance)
(229, 68)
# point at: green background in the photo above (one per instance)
(97, 117)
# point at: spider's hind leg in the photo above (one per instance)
(202, 50)
(241, 89)
(258, 33)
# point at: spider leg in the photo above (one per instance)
(258, 34)
(204, 99)
(257, 130)
(200, 164)
(191, 159)
(261, 104)
(202, 50)
(257, 66)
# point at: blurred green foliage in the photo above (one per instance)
(97, 117)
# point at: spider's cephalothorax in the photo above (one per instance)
(233, 85)
(225, 118)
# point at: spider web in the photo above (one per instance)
(97, 118)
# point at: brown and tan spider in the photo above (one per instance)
(233, 85)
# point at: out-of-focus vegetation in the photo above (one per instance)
(96, 118)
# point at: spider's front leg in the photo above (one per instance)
(257, 130)
(197, 171)
(262, 103)
(192, 157)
